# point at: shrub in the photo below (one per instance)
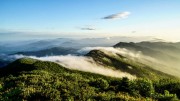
(166, 96)
(124, 85)
(100, 83)
(145, 87)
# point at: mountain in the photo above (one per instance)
(126, 64)
(4, 60)
(32, 79)
(177, 44)
(165, 52)
(151, 48)
(3, 63)
(50, 51)
(171, 48)
(36, 45)
(31, 45)
(23, 80)
(95, 75)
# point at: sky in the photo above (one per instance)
(29, 19)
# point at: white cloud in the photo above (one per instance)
(87, 28)
(81, 63)
(121, 51)
(86, 64)
(121, 15)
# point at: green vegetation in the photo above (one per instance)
(163, 51)
(128, 65)
(29, 79)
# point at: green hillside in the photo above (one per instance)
(165, 54)
(34, 80)
(161, 50)
(126, 64)
(171, 49)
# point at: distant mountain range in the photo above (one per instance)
(50, 52)
(36, 45)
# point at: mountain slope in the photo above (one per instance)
(150, 49)
(126, 64)
(155, 49)
(171, 48)
(167, 54)
(30, 79)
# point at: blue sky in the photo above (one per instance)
(23, 19)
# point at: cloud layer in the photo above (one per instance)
(121, 15)
(86, 64)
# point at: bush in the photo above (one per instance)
(145, 87)
(173, 86)
(166, 96)
(124, 85)
(1, 86)
(100, 83)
